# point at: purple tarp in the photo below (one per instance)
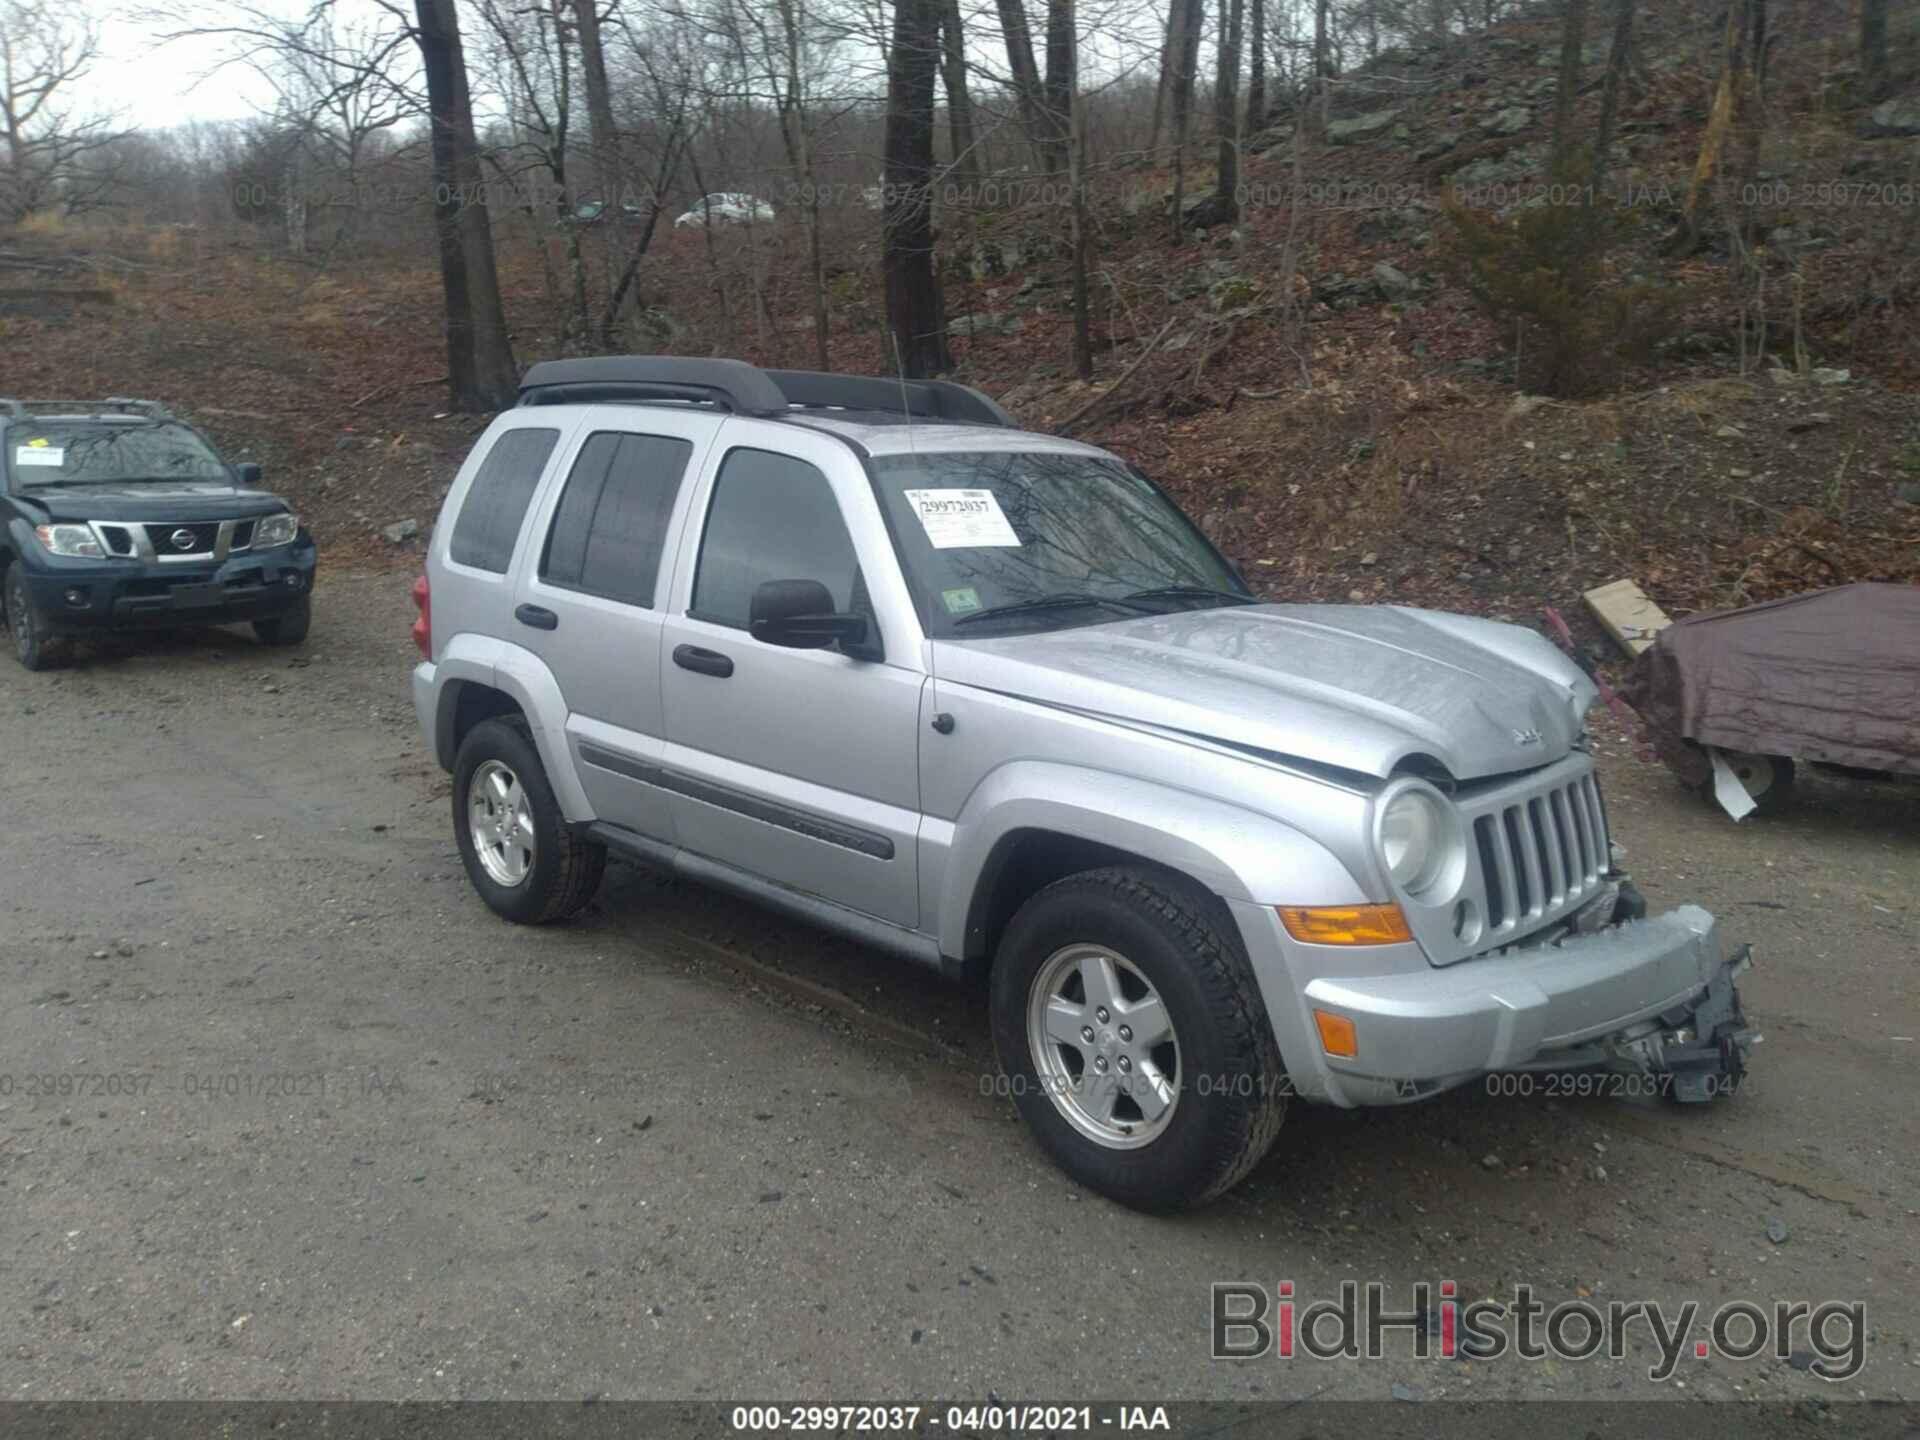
(1831, 676)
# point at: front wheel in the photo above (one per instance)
(1133, 1038)
(289, 627)
(527, 862)
(32, 642)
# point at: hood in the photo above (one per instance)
(1359, 687)
(159, 501)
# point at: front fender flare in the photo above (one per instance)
(1235, 853)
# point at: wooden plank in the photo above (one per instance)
(1628, 614)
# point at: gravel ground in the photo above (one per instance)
(285, 1112)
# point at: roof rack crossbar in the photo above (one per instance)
(748, 390)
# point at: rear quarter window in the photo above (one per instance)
(496, 501)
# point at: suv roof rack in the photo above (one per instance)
(121, 404)
(745, 389)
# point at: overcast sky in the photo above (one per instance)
(152, 84)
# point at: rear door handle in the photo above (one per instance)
(538, 616)
(704, 662)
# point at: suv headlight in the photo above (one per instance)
(1421, 842)
(75, 540)
(275, 529)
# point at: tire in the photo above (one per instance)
(289, 627)
(1224, 1092)
(540, 869)
(1769, 779)
(33, 643)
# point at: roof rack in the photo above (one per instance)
(744, 389)
(122, 404)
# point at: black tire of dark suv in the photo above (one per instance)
(289, 627)
(1231, 1085)
(566, 868)
(33, 645)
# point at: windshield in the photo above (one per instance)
(1001, 542)
(78, 452)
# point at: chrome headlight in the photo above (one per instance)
(1421, 842)
(275, 529)
(76, 540)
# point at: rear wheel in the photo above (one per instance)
(527, 862)
(1133, 1038)
(33, 643)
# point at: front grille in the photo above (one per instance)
(242, 534)
(160, 537)
(1541, 854)
(119, 539)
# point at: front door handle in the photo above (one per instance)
(538, 616)
(703, 662)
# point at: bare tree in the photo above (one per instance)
(339, 84)
(916, 313)
(953, 73)
(535, 48)
(52, 153)
(1873, 48)
(1617, 61)
(1224, 207)
(1183, 46)
(480, 368)
(1573, 44)
(1029, 92)
(1257, 67)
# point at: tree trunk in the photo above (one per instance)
(966, 164)
(1873, 48)
(1062, 51)
(1729, 112)
(480, 368)
(796, 132)
(1180, 99)
(1257, 69)
(1225, 206)
(1322, 67)
(609, 157)
(916, 314)
(1027, 89)
(1077, 180)
(1166, 79)
(1617, 60)
(1573, 44)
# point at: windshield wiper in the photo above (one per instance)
(1059, 601)
(1192, 592)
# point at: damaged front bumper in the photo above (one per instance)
(1655, 995)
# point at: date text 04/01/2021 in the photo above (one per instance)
(989, 1418)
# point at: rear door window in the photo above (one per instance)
(496, 501)
(611, 523)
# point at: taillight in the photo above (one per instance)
(423, 623)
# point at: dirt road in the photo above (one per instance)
(284, 1111)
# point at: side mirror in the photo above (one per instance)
(799, 615)
(248, 472)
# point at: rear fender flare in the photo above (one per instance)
(525, 678)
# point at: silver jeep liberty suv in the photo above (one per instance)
(865, 652)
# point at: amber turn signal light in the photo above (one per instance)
(1337, 1035)
(1346, 924)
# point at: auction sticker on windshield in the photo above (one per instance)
(961, 519)
(38, 453)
